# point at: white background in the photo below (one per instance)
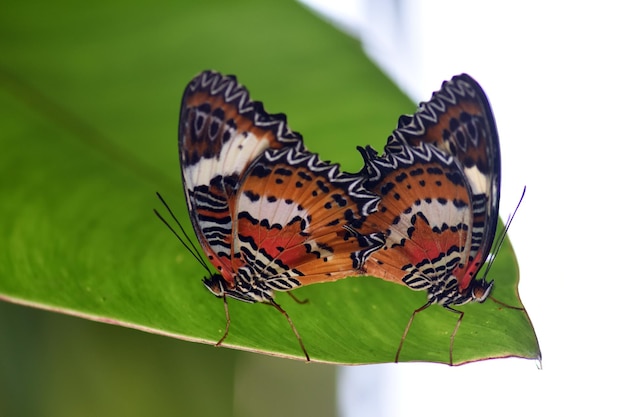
(554, 74)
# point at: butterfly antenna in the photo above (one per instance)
(502, 235)
(189, 244)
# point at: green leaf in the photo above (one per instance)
(89, 135)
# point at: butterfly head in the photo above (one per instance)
(447, 292)
(220, 288)
(480, 290)
(246, 288)
(216, 284)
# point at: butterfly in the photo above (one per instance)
(439, 183)
(268, 213)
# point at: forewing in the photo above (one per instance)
(221, 132)
(458, 120)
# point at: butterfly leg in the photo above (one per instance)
(227, 314)
(456, 328)
(408, 326)
(503, 304)
(296, 299)
(293, 328)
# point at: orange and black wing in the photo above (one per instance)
(221, 133)
(459, 123)
(297, 218)
(426, 215)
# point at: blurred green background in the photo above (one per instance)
(90, 95)
(55, 365)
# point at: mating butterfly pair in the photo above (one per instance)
(270, 216)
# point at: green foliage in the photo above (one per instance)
(91, 93)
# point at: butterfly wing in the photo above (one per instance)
(458, 121)
(221, 132)
(425, 210)
(297, 217)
